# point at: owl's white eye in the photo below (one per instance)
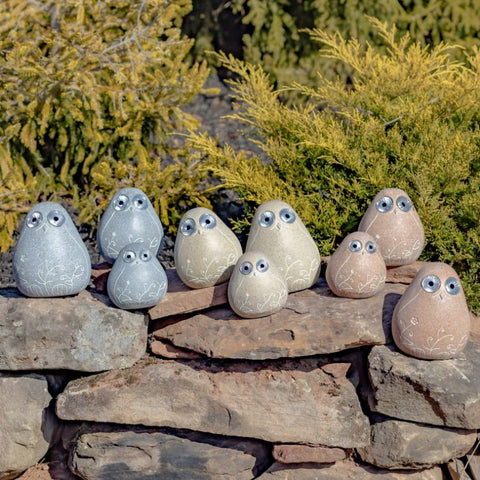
(452, 286)
(188, 227)
(121, 202)
(55, 218)
(431, 283)
(266, 218)
(129, 256)
(287, 215)
(145, 256)
(246, 268)
(404, 204)
(34, 220)
(262, 265)
(371, 247)
(385, 204)
(355, 246)
(207, 221)
(140, 202)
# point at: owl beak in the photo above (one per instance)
(254, 274)
(278, 226)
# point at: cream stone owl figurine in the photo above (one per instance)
(129, 218)
(137, 279)
(278, 230)
(357, 268)
(431, 320)
(391, 219)
(257, 287)
(206, 250)
(50, 258)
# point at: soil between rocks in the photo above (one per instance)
(211, 110)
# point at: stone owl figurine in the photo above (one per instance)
(50, 258)
(206, 250)
(357, 268)
(257, 287)
(431, 320)
(391, 219)
(129, 218)
(137, 279)
(278, 230)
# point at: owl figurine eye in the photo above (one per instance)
(145, 256)
(266, 219)
(404, 204)
(355, 246)
(129, 256)
(207, 221)
(34, 220)
(287, 215)
(55, 218)
(121, 203)
(452, 286)
(371, 247)
(262, 265)
(385, 204)
(431, 283)
(245, 268)
(187, 227)
(140, 202)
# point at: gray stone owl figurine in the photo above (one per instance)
(278, 230)
(129, 218)
(257, 287)
(206, 250)
(137, 279)
(50, 258)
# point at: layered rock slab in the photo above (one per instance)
(436, 392)
(25, 429)
(303, 401)
(396, 444)
(313, 322)
(344, 470)
(139, 455)
(83, 333)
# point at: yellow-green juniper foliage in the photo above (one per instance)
(90, 91)
(410, 121)
(279, 42)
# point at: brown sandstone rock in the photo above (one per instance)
(182, 299)
(82, 332)
(436, 392)
(25, 428)
(396, 444)
(137, 455)
(344, 470)
(280, 402)
(167, 350)
(403, 273)
(313, 322)
(290, 453)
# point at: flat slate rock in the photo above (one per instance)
(313, 322)
(303, 401)
(436, 392)
(182, 299)
(405, 445)
(82, 332)
(25, 428)
(345, 470)
(136, 455)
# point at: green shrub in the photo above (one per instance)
(278, 41)
(89, 86)
(409, 120)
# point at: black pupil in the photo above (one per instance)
(140, 202)
(120, 202)
(245, 267)
(267, 219)
(188, 227)
(262, 265)
(129, 256)
(207, 221)
(287, 215)
(403, 204)
(430, 283)
(452, 286)
(34, 219)
(384, 204)
(145, 255)
(55, 219)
